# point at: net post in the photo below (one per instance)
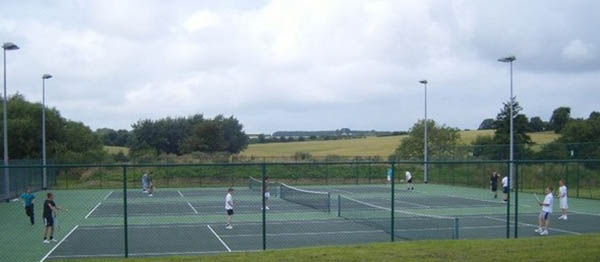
(126, 240)
(328, 202)
(455, 233)
(264, 213)
(516, 200)
(393, 230)
(508, 202)
(339, 211)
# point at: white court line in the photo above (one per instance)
(188, 202)
(583, 213)
(219, 238)
(93, 209)
(532, 225)
(108, 195)
(60, 242)
(153, 254)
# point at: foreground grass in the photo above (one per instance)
(560, 248)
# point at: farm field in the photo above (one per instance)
(370, 146)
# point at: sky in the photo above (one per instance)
(303, 65)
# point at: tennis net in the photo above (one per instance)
(407, 225)
(314, 199)
(256, 185)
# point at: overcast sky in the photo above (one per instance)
(303, 65)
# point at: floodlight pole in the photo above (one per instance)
(425, 155)
(510, 60)
(44, 176)
(6, 46)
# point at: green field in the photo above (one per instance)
(370, 146)
(562, 248)
(113, 150)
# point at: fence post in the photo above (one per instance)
(393, 230)
(264, 213)
(517, 200)
(508, 203)
(125, 210)
(577, 179)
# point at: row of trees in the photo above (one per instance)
(558, 120)
(66, 140)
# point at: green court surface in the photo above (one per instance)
(191, 221)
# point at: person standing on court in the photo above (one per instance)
(145, 182)
(267, 193)
(150, 181)
(229, 207)
(494, 184)
(562, 195)
(50, 209)
(408, 177)
(28, 199)
(505, 188)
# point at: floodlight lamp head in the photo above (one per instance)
(423, 82)
(46, 76)
(9, 46)
(507, 59)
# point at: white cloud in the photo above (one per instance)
(200, 20)
(578, 51)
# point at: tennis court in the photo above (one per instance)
(192, 221)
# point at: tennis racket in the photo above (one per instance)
(537, 198)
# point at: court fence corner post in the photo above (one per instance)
(393, 210)
(508, 201)
(516, 200)
(264, 212)
(126, 240)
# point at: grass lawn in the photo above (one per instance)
(370, 146)
(559, 248)
(113, 150)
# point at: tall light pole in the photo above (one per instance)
(510, 60)
(425, 177)
(6, 47)
(44, 177)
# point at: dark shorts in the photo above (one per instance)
(49, 221)
(494, 188)
(544, 215)
(230, 212)
(410, 180)
(505, 190)
(29, 210)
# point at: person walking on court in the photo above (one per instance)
(408, 177)
(28, 199)
(229, 207)
(544, 218)
(50, 209)
(267, 193)
(494, 184)
(562, 195)
(145, 182)
(505, 188)
(150, 180)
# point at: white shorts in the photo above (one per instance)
(267, 195)
(563, 203)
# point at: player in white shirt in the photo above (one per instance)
(267, 193)
(409, 180)
(229, 207)
(505, 188)
(562, 195)
(544, 218)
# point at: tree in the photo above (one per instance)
(216, 135)
(594, 115)
(441, 141)
(487, 124)
(520, 126)
(536, 124)
(559, 119)
(261, 138)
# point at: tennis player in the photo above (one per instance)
(229, 207)
(150, 180)
(544, 218)
(562, 195)
(50, 209)
(267, 193)
(28, 199)
(145, 182)
(408, 177)
(494, 184)
(505, 188)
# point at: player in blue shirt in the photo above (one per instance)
(28, 199)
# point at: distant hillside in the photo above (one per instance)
(338, 132)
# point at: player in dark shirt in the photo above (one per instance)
(494, 184)
(50, 209)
